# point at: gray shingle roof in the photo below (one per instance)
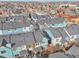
(64, 35)
(38, 35)
(23, 39)
(46, 19)
(7, 26)
(18, 40)
(55, 32)
(73, 30)
(58, 20)
(29, 39)
(1, 39)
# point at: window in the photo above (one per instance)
(3, 52)
(16, 55)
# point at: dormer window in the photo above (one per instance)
(16, 55)
(2, 52)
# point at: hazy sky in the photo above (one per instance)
(40, 0)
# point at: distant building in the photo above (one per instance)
(67, 5)
(4, 13)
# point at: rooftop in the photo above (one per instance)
(73, 30)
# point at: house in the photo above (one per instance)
(50, 21)
(37, 17)
(17, 30)
(6, 50)
(53, 22)
(58, 22)
(73, 31)
(52, 35)
(23, 39)
(64, 35)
